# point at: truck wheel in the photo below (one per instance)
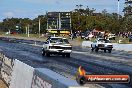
(43, 53)
(92, 49)
(96, 49)
(68, 55)
(109, 50)
(48, 54)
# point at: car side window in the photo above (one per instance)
(47, 42)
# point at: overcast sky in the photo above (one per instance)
(33, 8)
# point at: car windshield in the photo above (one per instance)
(59, 40)
(104, 40)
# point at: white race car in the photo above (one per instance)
(57, 45)
(102, 44)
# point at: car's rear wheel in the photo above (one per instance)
(63, 55)
(105, 50)
(68, 55)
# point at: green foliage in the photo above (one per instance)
(43, 23)
(102, 21)
(82, 19)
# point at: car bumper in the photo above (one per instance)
(59, 51)
(105, 47)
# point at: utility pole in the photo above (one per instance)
(59, 21)
(70, 27)
(118, 9)
(28, 30)
(39, 27)
(78, 12)
(9, 31)
(47, 24)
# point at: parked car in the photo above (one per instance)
(83, 35)
(111, 36)
(102, 44)
(57, 45)
(86, 36)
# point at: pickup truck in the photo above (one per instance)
(102, 44)
(57, 45)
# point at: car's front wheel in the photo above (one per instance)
(92, 48)
(109, 50)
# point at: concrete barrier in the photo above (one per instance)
(17, 74)
(86, 43)
(116, 46)
(1, 55)
(125, 47)
(45, 78)
(1, 59)
(6, 69)
(22, 75)
(25, 76)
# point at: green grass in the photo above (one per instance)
(25, 35)
(123, 40)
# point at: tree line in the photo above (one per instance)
(81, 19)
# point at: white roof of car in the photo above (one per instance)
(102, 39)
(58, 37)
(55, 37)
